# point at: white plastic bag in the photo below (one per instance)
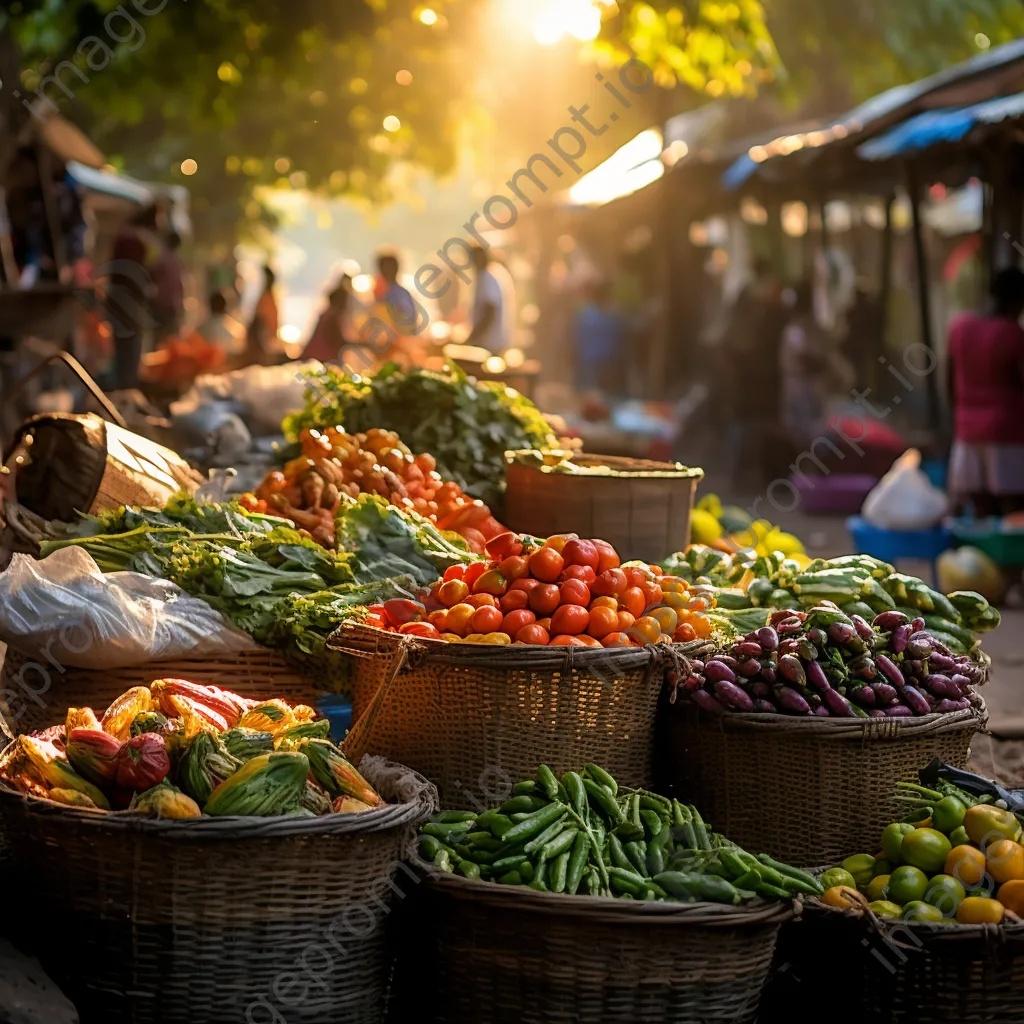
(64, 611)
(905, 498)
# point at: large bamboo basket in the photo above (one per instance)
(641, 508)
(470, 718)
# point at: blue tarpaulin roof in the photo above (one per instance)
(938, 126)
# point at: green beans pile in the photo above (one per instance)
(582, 834)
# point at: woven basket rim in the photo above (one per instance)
(647, 469)
(974, 717)
(227, 827)
(604, 909)
(505, 657)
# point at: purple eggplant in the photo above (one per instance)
(768, 638)
(705, 700)
(841, 633)
(788, 646)
(769, 673)
(697, 667)
(918, 624)
(807, 650)
(717, 671)
(900, 638)
(889, 620)
(750, 638)
(790, 700)
(792, 669)
(885, 693)
(750, 668)
(943, 686)
(940, 663)
(944, 707)
(864, 668)
(890, 671)
(919, 649)
(761, 690)
(864, 696)
(817, 636)
(916, 700)
(816, 678)
(780, 616)
(723, 659)
(877, 713)
(822, 712)
(837, 704)
(914, 668)
(747, 650)
(732, 696)
(790, 628)
(962, 683)
(863, 627)
(899, 711)
(765, 707)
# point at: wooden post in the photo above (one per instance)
(924, 292)
(884, 290)
(46, 183)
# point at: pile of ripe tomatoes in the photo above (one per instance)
(567, 591)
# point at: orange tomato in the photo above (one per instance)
(516, 621)
(487, 619)
(438, 618)
(545, 623)
(527, 586)
(632, 600)
(967, 865)
(657, 570)
(570, 619)
(677, 602)
(1005, 860)
(646, 630)
(610, 583)
(581, 552)
(482, 600)
(685, 634)
(578, 572)
(453, 592)
(546, 564)
(515, 567)
(565, 641)
(605, 602)
(626, 620)
(535, 635)
(1011, 895)
(607, 555)
(474, 572)
(702, 626)
(545, 599)
(575, 592)
(458, 618)
(667, 618)
(697, 604)
(602, 622)
(976, 910)
(635, 576)
(673, 585)
(653, 594)
(514, 600)
(424, 629)
(617, 640)
(454, 572)
(559, 541)
(588, 641)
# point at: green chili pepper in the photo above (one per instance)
(785, 870)
(627, 883)
(548, 834)
(733, 864)
(699, 829)
(652, 823)
(593, 882)
(718, 890)
(429, 847)
(445, 832)
(535, 823)
(497, 824)
(527, 872)
(522, 805)
(540, 872)
(577, 862)
(573, 784)
(766, 889)
(633, 813)
(601, 800)
(480, 839)
(684, 826)
(547, 781)
(468, 869)
(653, 802)
(680, 884)
(443, 860)
(510, 878)
(559, 870)
(559, 845)
(655, 859)
(602, 778)
(637, 854)
(527, 788)
(539, 886)
(509, 863)
(618, 854)
(454, 817)
(750, 880)
(656, 890)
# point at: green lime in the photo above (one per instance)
(927, 849)
(861, 866)
(917, 910)
(892, 840)
(875, 889)
(907, 884)
(959, 837)
(838, 876)
(886, 910)
(946, 894)
(948, 815)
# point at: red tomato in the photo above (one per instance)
(685, 634)
(399, 611)
(571, 619)
(514, 600)
(559, 541)
(656, 570)
(578, 572)
(424, 629)
(474, 538)
(491, 582)
(545, 599)
(609, 557)
(575, 592)
(527, 586)
(534, 634)
(616, 640)
(515, 567)
(588, 641)
(602, 622)
(546, 565)
(503, 545)
(453, 592)
(610, 583)
(474, 571)
(581, 552)
(545, 623)
(566, 641)
(653, 595)
(633, 601)
(635, 576)
(454, 572)
(482, 600)
(515, 621)
(486, 620)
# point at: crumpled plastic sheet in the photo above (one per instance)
(66, 609)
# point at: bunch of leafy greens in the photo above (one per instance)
(467, 425)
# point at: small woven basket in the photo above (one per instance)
(475, 719)
(34, 694)
(204, 921)
(641, 508)
(806, 790)
(510, 955)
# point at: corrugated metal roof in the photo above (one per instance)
(937, 126)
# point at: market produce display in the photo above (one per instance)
(310, 489)
(730, 529)
(955, 859)
(825, 663)
(176, 749)
(584, 834)
(465, 424)
(565, 591)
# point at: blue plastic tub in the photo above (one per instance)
(338, 711)
(893, 545)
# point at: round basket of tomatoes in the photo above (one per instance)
(551, 649)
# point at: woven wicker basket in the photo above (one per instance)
(510, 955)
(806, 790)
(34, 694)
(217, 919)
(641, 508)
(476, 719)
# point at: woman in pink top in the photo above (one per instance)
(986, 377)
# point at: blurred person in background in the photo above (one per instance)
(263, 347)
(169, 283)
(328, 339)
(986, 381)
(599, 335)
(804, 365)
(493, 304)
(223, 330)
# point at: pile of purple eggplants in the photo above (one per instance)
(827, 664)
